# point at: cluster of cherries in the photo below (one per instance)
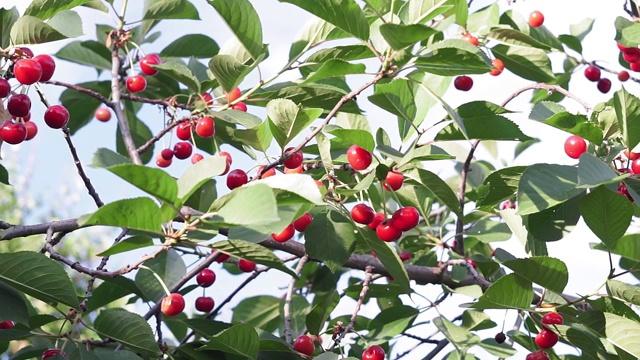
(593, 73)
(304, 344)
(8, 325)
(137, 83)
(293, 164)
(546, 338)
(28, 70)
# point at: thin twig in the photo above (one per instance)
(288, 299)
(103, 99)
(144, 147)
(354, 315)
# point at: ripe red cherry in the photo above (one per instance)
(623, 75)
(162, 162)
(7, 324)
(240, 107)
(386, 232)
(172, 305)
(359, 158)
(205, 127)
(302, 222)
(147, 61)
(592, 73)
(25, 51)
(294, 160)
(246, 266)
(285, 235)
(536, 19)
(136, 83)
(635, 66)
(621, 47)
(207, 99)
(236, 178)
(19, 105)
(48, 66)
(304, 345)
(575, 146)
(196, 157)
(538, 355)
(229, 161)
(377, 220)
(405, 218)
(546, 339)
(204, 304)
(470, 39)
(49, 353)
(552, 318)
(32, 130)
(362, 214)
(622, 190)
(222, 257)
(5, 88)
(183, 130)
(182, 149)
(604, 85)
(405, 255)
(463, 83)
(631, 55)
(497, 67)
(166, 154)
(233, 95)
(393, 181)
(103, 114)
(56, 116)
(206, 278)
(635, 166)
(631, 155)
(27, 71)
(13, 133)
(374, 352)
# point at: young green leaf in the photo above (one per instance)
(244, 22)
(171, 9)
(548, 272)
(509, 292)
(138, 213)
(199, 173)
(155, 182)
(545, 185)
(240, 340)
(129, 329)
(608, 214)
(330, 238)
(247, 205)
(287, 120)
(344, 14)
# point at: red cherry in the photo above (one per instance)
(49, 353)
(229, 161)
(7, 324)
(405, 218)
(302, 222)
(206, 278)
(631, 55)
(538, 355)
(269, 173)
(622, 190)
(304, 345)
(196, 157)
(5, 88)
(635, 166)
(604, 85)
(147, 61)
(386, 232)
(222, 257)
(592, 73)
(25, 51)
(27, 71)
(246, 266)
(136, 83)
(374, 352)
(239, 106)
(182, 150)
(56, 116)
(507, 204)
(552, 318)
(546, 339)
(621, 47)
(294, 160)
(233, 95)
(623, 75)
(205, 127)
(183, 130)
(172, 305)
(359, 158)
(362, 214)
(635, 66)
(167, 154)
(236, 178)
(536, 19)
(162, 162)
(497, 67)
(377, 220)
(405, 255)
(19, 105)
(13, 133)
(471, 262)
(393, 181)
(32, 130)
(470, 39)
(103, 114)
(204, 304)
(285, 235)
(463, 83)
(207, 99)
(575, 146)
(48, 66)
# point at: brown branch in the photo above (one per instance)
(356, 310)
(160, 102)
(103, 99)
(289, 298)
(15, 231)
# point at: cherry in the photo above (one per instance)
(167, 154)
(500, 337)
(386, 232)
(604, 85)
(207, 99)
(635, 66)
(204, 304)
(229, 161)
(206, 278)
(49, 353)
(183, 131)
(240, 107)
(622, 190)
(621, 47)
(635, 166)
(507, 204)
(463, 83)
(103, 114)
(546, 339)
(27, 71)
(5, 88)
(172, 305)
(48, 66)
(162, 162)
(147, 61)
(246, 266)
(538, 355)
(374, 352)
(471, 262)
(269, 173)
(56, 116)
(377, 220)
(536, 19)
(222, 257)
(552, 318)
(7, 324)
(182, 149)
(405, 218)
(362, 214)
(136, 83)
(294, 160)
(405, 255)
(592, 73)
(631, 55)
(32, 130)
(393, 181)
(236, 178)
(304, 345)
(575, 146)
(25, 51)
(19, 105)
(302, 222)
(13, 133)
(205, 127)
(285, 235)
(298, 170)
(497, 67)
(623, 75)
(470, 39)
(196, 157)
(24, 118)
(233, 95)
(359, 158)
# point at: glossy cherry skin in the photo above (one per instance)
(635, 166)
(377, 220)
(56, 116)
(497, 66)
(635, 66)
(604, 85)
(19, 105)
(183, 131)
(359, 158)
(470, 39)
(374, 352)
(222, 257)
(575, 146)
(25, 51)
(162, 162)
(204, 304)
(463, 83)
(49, 353)
(147, 61)
(546, 339)
(362, 214)
(48, 66)
(27, 71)
(196, 158)
(500, 337)
(5, 88)
(386, 232)
(239, 106)
(172, 305)
(538, 355)
(13, 133)
(207, 99)
(236, 178)
(182, 149)
(304, 344)
(229, 161)
(552, 318)
(246, 266)
(167, 154)
(136, 83)
(206, 278)
(233, 95)
(205, 127)
(294, 160)
(7, 324)
(623, 75)
(405, 255)
(393, 181)
(592, 73)
(32, 130)
(269, 173)
(405, 218)
(536, 19)
(631, 55)
(103, 114)
(285, 234)
(302, 222)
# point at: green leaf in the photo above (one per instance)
(545, 185)
(239, 117)
(13, 305)
(620, 290)
(313, 32)
(4, 175)
(623, 333)
(581, 29)
(254, 252)
(321, 311)
(104, 158)
(346, 53)
(91, 53)
(300, 184)
(228, 70)
(389, 258)
(334, 68)
(244, 22)
(330, 238)
(500, 185)
(247, 205)
(627, 246)
(456, 334)
(82, 107)
(554, 223)
(129, 329)
(391, 322)
(395, 97)
(437, 186)
(529, 63)
(421, 11)
(240, 340)
(171, 9)
(7, 18)
(68, 23)
(260, 311)
(548, 272)
(628, 114)
(607, 214)
(258, 137)
(315, 95)
(31, 30)
(575, 124)
(169, 266)
(344, 14)
(287, 120)
(516, 38)
(153, 181)
(137, 214)
(509, 292)
(39, 276)
(44, 9)
(593, 172)
(128, 244)
(180, 73)
(482, 121)
(461, 10)
(110, 290)
(433, 94)
(401, 36)
(452, 61)
(199, 173)
(196, 45)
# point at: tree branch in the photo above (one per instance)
(288, 298)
